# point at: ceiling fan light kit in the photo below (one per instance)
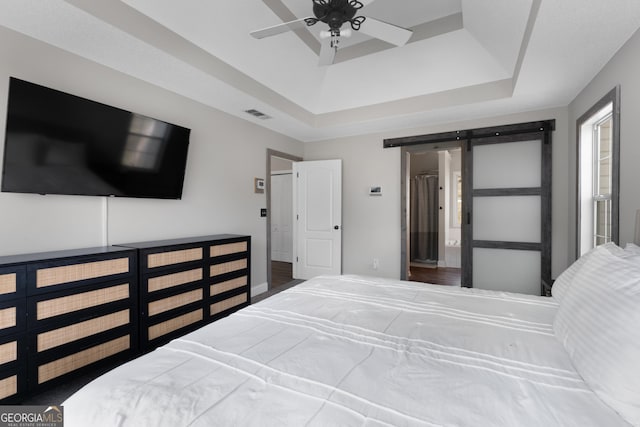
(335, 13)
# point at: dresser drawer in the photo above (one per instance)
(12, 282)
(54, 275)
(12, 366)
(12, 316)
(227, 304)
(228, 249)
(61, 365)
(80, 304)
(173, 257)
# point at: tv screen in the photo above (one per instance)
(58, 143)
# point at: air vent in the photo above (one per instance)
(258, 114)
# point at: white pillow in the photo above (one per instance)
(565, 280)
(632, 249)
(598, 323)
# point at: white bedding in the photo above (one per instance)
(352, 350)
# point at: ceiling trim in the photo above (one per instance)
(533, 16)
(137, 24)
(448, 98)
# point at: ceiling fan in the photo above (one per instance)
(336, 13)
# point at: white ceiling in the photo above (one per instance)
(467, 59)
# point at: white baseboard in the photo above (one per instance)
(442, 263)
(259, 289)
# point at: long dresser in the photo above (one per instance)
(64, 313)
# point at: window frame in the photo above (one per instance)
(613, 98)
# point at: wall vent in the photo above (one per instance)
(258, 114)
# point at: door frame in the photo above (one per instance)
(280, 154)
(405, 199)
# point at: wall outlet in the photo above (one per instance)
(376, 263)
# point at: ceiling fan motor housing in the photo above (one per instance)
(335, 12)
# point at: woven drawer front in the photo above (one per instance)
(228, 267)
(229, 248)
(83, 358)
(174, 257)
(73, 273)
(8, 283)
(174, 324)
(7, 318)
(228, 303)
(54, 338)
(175, 279)
(63, 305)
(8, 386)
(8, 352)
(218, 288)
(166, 304)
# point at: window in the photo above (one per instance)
(598, 160)
(602, 180)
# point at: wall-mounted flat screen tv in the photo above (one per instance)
(58, 143)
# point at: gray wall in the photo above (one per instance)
(623, 69)
(225, 154)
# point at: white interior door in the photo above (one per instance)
(317, 204)
(281, 217)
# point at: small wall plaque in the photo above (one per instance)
(375, 191)
(258, 184)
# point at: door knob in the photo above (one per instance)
(336, 227)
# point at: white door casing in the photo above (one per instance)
(317, 231)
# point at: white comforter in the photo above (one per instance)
(354, 351)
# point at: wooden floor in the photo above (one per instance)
(281, 273)
(437, 276)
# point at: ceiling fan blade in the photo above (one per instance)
(327, 53)
(384, 31)
(280, 28)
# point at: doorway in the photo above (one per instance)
(279, 218)
(433, 189)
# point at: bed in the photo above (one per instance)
(362, 351)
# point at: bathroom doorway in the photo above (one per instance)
(434, 214)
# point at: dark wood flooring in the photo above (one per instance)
(437, 276)
(281, 273)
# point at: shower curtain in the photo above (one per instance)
(424, 218)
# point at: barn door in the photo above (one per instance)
(507, 203)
